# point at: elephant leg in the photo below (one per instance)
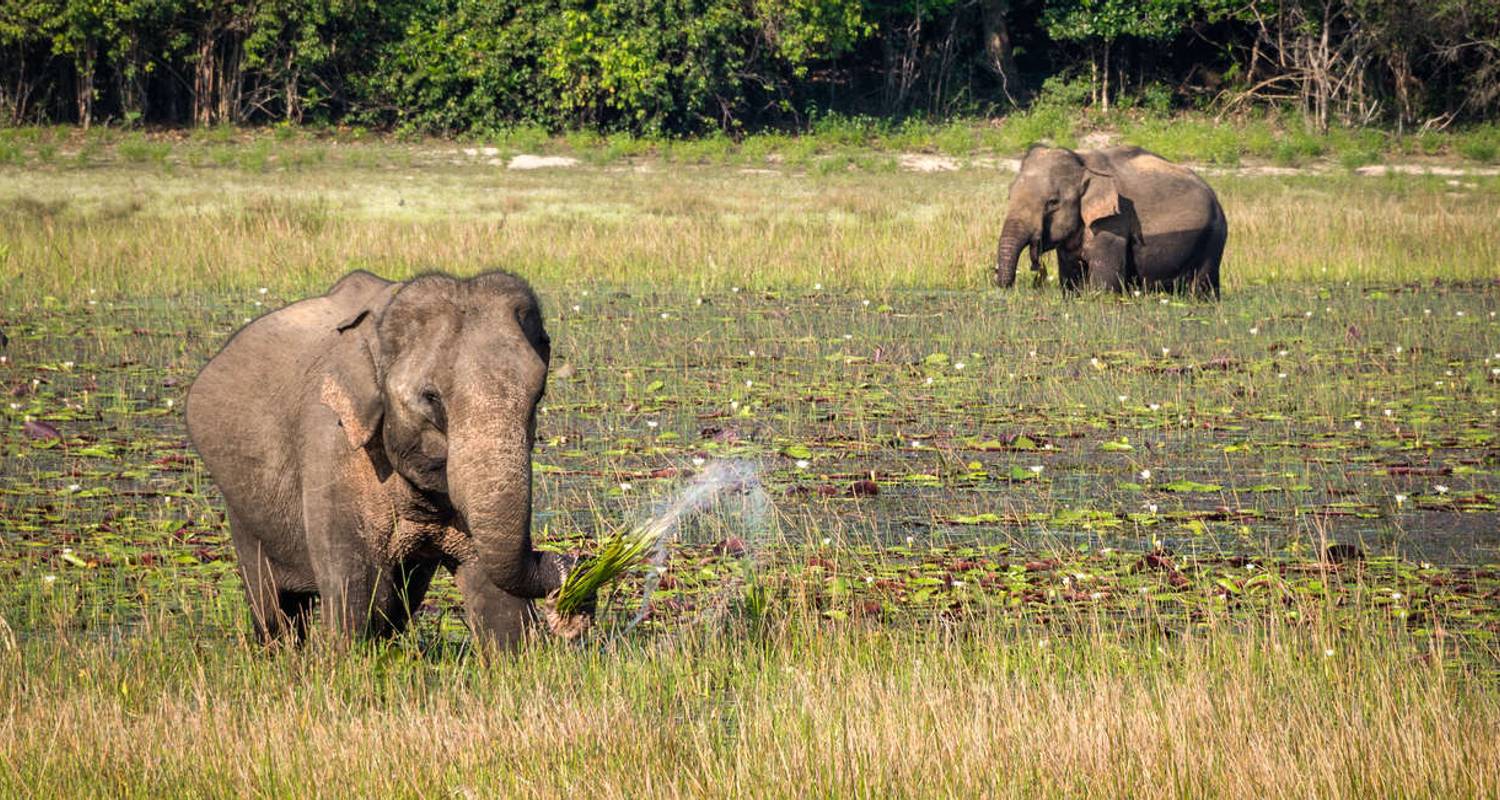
(276, 612)
(350, 597)
(399, 595)
(499, 619)
(1206, 276)
(1105, 254)
(1070, 271)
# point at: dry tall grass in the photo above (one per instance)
(841, 712)
(135, 229)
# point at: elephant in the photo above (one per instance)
(1119, 218)
(363, 438)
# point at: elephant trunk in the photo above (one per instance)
(1013, 236)
(489, 480)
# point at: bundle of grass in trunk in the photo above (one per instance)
(616, 554)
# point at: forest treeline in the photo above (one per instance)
(690, 66)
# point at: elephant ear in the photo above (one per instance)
(351, 382)
(1101, 200)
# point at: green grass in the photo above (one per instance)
(796, 708)
(1017, 544)
(689, 216)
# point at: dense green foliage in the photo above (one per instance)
(682, 66)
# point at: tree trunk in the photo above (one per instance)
(203, 79)
(1105, 92)
(84, 62)
(998, 49)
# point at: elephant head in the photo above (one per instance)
(444, 384)
(1056, 194)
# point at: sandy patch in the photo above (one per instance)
(1097, 140)
(927, 162)
(1424, 169)
(526, 161)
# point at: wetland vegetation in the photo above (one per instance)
(1020, 543)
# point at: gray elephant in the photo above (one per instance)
(364, 438)
(1120, 217)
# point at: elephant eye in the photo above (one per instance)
(432, 407)
(1052, 202)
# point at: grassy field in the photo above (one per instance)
(1009, 543)
(299, 213)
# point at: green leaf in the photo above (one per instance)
(1190, 486)
(800, 451)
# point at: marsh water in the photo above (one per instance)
(1274, 423)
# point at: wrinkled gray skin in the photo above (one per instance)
(364, 438)
(1119, 218)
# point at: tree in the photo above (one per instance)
(1100, 23)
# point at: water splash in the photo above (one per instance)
(730, 488)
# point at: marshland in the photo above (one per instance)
(1015, 543)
